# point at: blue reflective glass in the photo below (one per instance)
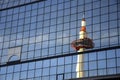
(88, 7)
(38, 72)
(93, 73)
(113, 8)
(9, 77)
(96, 4)
(118, 52)
(111, 63)
(104, 3)
(45, 71)
(111, 71)
(23, 75)
(85, 66)
(30, 74)
(92, 56)
(102, 72)
(60, 61)
(46, 63)
(101, 55)
(92, 65)
(101, 64)
(60, 69)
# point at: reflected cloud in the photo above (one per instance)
(38, 38)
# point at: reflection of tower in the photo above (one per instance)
(80, 45)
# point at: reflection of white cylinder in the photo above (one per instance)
(83, 23)
(79, 66)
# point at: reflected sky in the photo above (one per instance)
(54, 26)
(47, 29)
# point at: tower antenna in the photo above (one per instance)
(83, 8)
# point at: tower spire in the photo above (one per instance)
(83, 14)
(84, 9)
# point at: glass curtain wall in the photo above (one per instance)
(38, 34)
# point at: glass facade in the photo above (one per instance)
(36, 36)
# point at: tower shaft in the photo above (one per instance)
(79, 66)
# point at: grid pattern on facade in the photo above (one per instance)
(47, 28)
(7, 4)
(103, 63)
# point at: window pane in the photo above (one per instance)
(92, 65)
(102, 64)
(101, 55)
(111, 63)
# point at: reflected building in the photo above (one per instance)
(36, 36)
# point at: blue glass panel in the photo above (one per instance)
(101, 64)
